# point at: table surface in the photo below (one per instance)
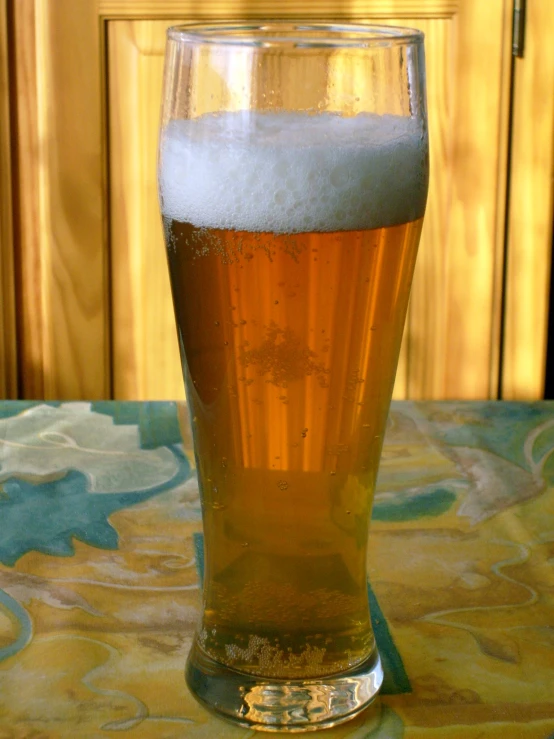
(100, 532)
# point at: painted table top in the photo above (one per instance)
(100, 542)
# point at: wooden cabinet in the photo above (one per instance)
(92, 293)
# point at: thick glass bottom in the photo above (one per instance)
(269, 704)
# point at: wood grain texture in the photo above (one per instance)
(272, 9)
(455, 306)
(63, 300)
(426, 333)
(32, 319)
(531, 210)
(8, 357)
(145, 350)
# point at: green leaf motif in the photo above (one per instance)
(411, 506)
(46, 517)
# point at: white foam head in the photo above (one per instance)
(293, 172)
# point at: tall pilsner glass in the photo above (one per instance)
(293, 172)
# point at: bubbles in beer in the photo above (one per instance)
(273, 661)
(301, 172)
(293, 647)
(284, 357)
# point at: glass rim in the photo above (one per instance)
(300, 33)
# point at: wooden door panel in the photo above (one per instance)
(451, 342)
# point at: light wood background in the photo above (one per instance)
(93, 297)
(145, 350)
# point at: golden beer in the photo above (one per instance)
(291, 252)
(289, 344)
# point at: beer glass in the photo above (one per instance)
(293, 172)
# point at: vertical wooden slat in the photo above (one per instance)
(31, 326)
(455, 307)
(146, 355)
(531, 210)
(8, 360)
(425, 341)
(64, 347)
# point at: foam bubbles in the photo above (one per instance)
(293, 172)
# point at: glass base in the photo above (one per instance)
(269, 704)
